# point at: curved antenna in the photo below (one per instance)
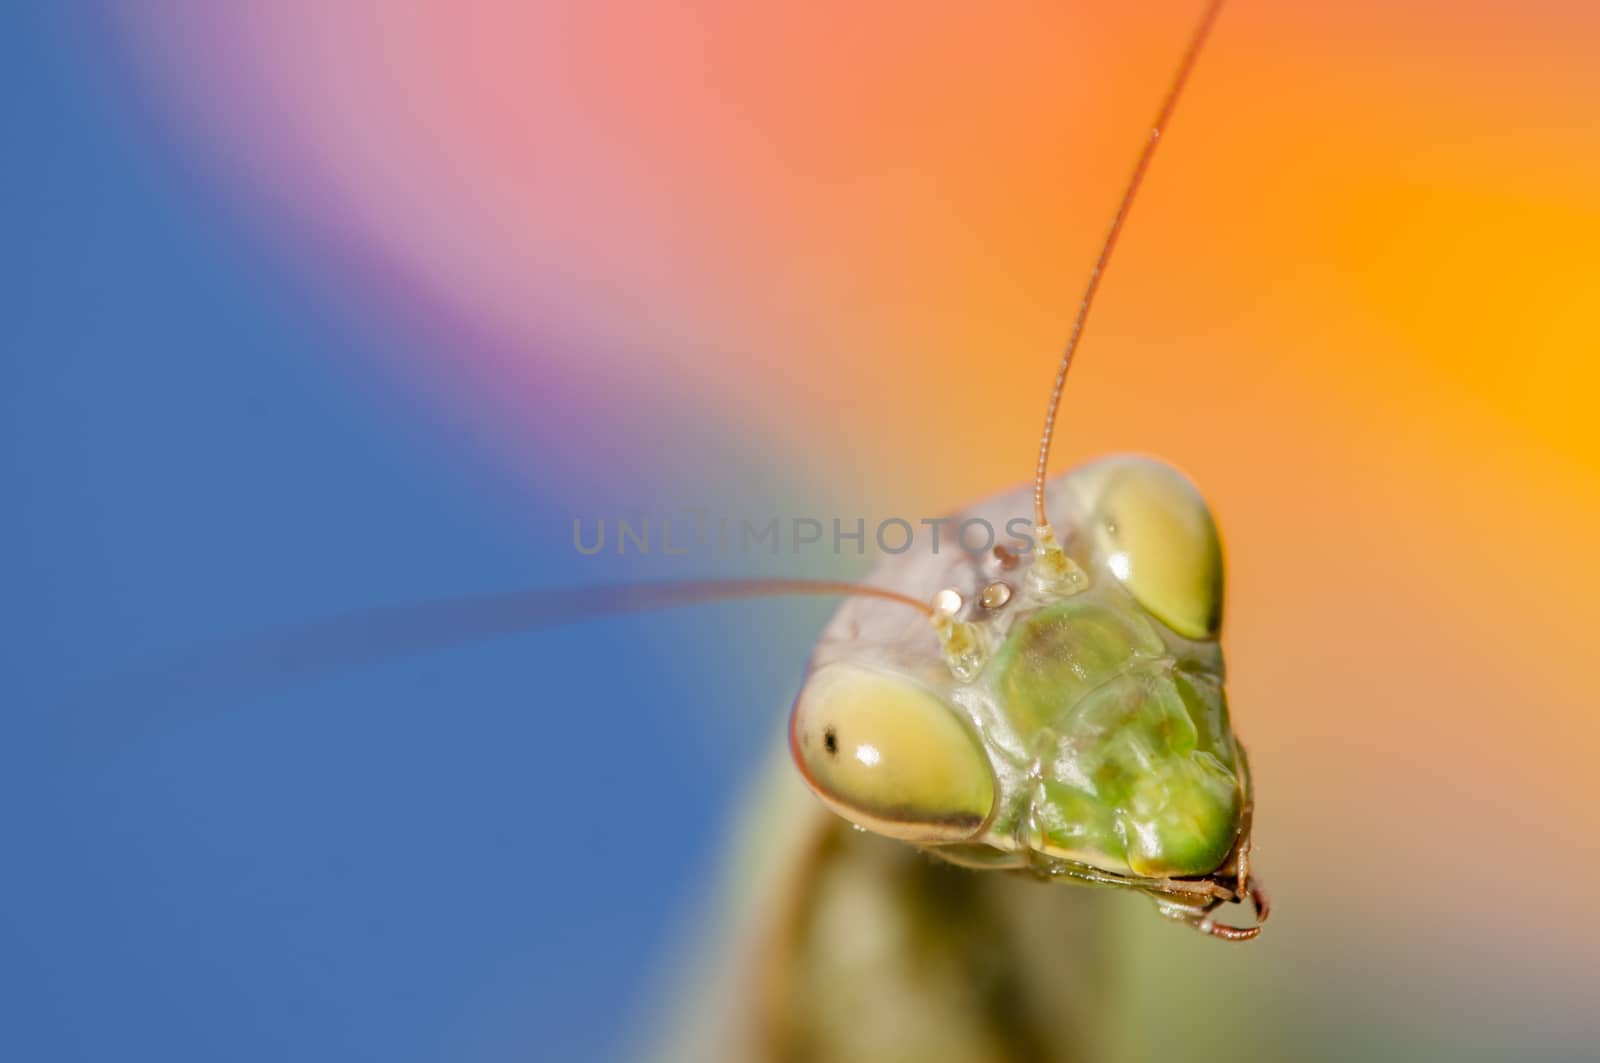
(1163, 116)
(260, 663)
(356, 637)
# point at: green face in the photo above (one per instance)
(1138, 770)
(1095, 734)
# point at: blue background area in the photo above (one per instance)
(488, 852)
(481, 853)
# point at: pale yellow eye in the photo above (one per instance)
(890, 756)
(1157, 535)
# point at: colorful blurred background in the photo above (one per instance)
(318, 305)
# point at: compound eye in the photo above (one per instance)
(1158, 537)
(890, 756)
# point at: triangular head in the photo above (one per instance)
(1081, 730)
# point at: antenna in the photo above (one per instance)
(256, 664)
(1163, 116)
(259, 663)
(362, 636)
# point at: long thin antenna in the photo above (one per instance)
(254, 664)
(339, 642)
(1163, 116)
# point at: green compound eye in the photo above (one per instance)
(1158, 537)
(890, 756)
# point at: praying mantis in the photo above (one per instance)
(1060, 717)
(972, 731)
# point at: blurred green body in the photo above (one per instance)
(834, 945)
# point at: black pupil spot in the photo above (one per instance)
(830, 740)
